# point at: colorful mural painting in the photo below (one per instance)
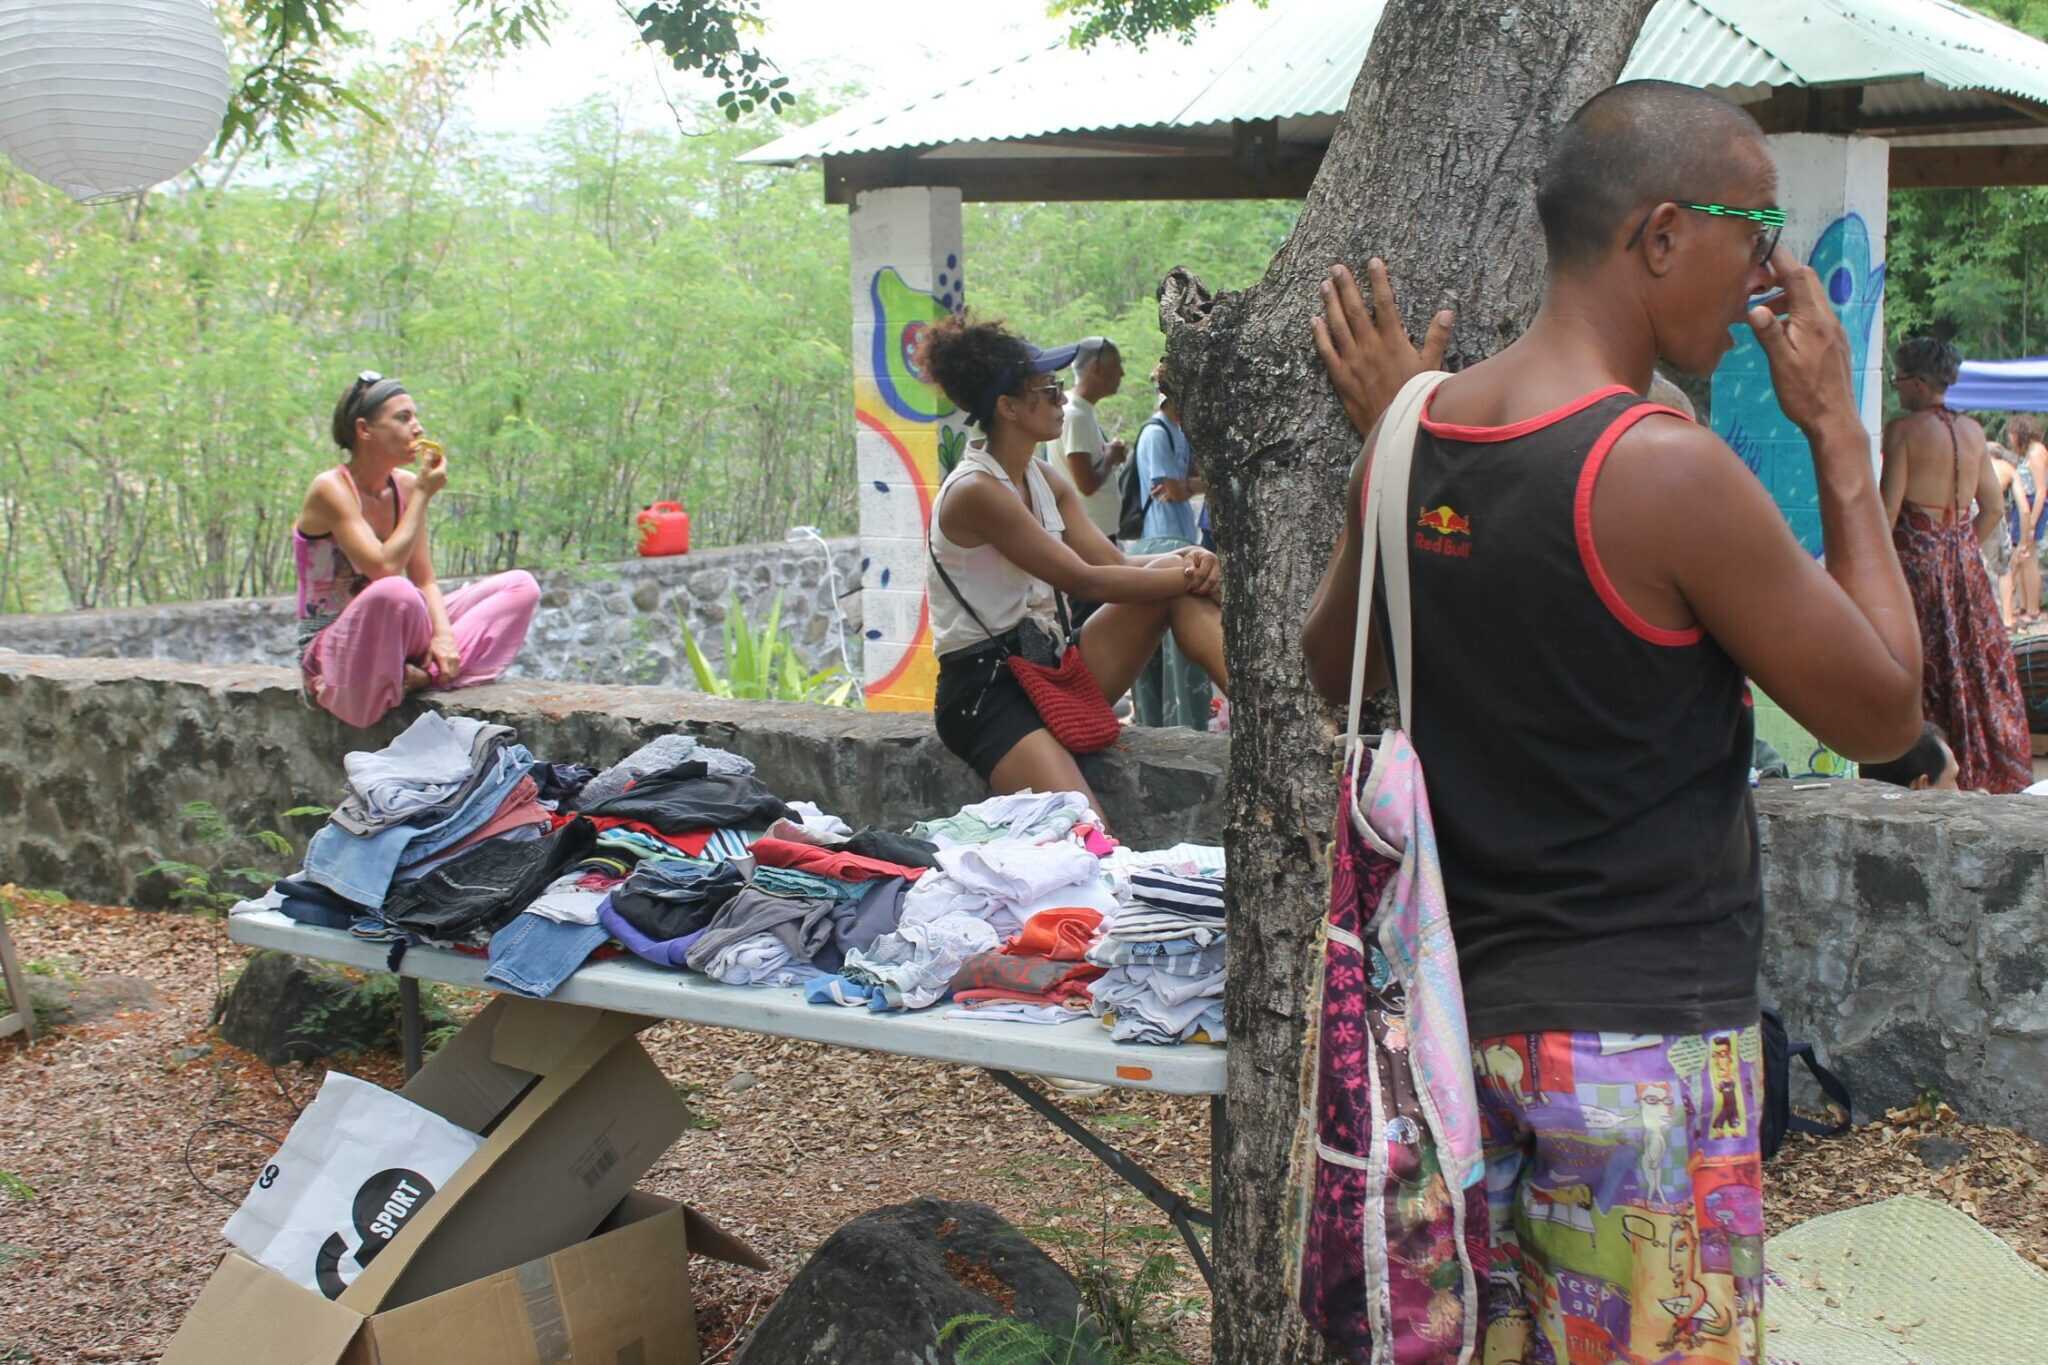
(1745, 409)
(907, 435)
(1836, 195)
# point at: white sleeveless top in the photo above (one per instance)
(1001, 592)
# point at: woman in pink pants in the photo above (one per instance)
(373, 625)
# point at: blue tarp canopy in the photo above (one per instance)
(2002, 385)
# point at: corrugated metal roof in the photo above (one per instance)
(1299, 59)
(1721, 43)
(1296, 58)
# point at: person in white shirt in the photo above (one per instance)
(1088, 457)
(1008, 537)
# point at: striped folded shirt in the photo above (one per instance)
(1171, 891)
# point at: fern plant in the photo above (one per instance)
(764, 665)
(988, 1340)
(210, 887)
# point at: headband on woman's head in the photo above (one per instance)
(373, 396)
(370, 392)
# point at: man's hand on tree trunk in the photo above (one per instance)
(1367, 351)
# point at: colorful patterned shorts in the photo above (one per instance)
(1625, 1198)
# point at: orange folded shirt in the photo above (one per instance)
(1063, 933)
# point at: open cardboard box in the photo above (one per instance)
(501, 1264)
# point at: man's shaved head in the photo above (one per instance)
(1635, 145)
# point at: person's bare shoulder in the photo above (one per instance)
(1664, 484)
(1918, 426)
(324, 501)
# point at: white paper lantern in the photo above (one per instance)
(105, 98)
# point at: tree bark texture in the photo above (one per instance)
(1432, 168)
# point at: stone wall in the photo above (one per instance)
(1908, 934)
(98, 756)
(597, 623)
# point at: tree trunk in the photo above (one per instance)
(1432, 167)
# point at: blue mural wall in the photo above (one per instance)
(1745, 409)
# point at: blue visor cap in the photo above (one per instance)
(1039, 362)
(1058, 358)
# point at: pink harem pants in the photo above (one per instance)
(356, 667)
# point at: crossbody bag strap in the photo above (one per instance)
(1382, 527)
(1059, 599)
(946, 578)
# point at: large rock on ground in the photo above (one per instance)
(882, 1287)
(285, 1010)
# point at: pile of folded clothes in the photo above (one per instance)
(1039, 977)
(443, 789)
(1164, 951)
(1017, 908)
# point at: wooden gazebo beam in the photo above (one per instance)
(1937, 168)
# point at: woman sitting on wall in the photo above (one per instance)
(1010, 539)
(373, 625)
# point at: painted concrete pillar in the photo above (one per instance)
(1834, 191)
(906, 276)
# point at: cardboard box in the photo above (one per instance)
(622, 1296)
(496, 1266)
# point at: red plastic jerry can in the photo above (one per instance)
(664, 530)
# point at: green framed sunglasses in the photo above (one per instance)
(1773, 219)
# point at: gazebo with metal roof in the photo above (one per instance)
(1247, 108)
(1873, 94)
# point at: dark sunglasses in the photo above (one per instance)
(1773, 221)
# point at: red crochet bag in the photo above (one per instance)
(1066, 695)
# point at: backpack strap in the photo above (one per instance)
(1137, 475)
(1830, 1085)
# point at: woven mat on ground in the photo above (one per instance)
(1904, 1282)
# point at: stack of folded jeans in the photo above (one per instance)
(467, 900)
(1165, 952)
(385, 824)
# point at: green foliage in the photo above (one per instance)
(214, 886)
(988, 1340)
(288, 50)
(1125, 1320)
(371, 1015)
(1134, 1313)
(1971, 265)
(1137, 21)
(764, 665)
(15, 1187)
(706, 35)
(604, 320)
(1058, 272)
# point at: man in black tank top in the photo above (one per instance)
(1594, 579)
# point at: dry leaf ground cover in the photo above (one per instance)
(106, 1237)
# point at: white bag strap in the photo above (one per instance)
(1385, 525)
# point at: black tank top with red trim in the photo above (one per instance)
(1588, 772)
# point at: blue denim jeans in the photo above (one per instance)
(361, 867)
(534, 955)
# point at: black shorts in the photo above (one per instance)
(980, 708)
